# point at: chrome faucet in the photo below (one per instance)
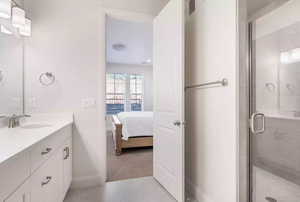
(14, 120)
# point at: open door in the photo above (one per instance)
(168, 73)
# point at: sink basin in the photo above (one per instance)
(35, 125)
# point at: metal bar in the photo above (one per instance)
(223, 82)
(251, 107)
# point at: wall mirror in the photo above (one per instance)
(11, 71)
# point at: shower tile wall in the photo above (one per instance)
(280, 189)
(277, 84)
(276, 160)
(276, 152)
(267, 64)
(278, 96)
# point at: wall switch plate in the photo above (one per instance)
(88, 102)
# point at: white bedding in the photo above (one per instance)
(136, 124)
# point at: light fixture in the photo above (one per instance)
(4, 30)
(26, 29)
(290, 57)
(18, 17)
(5, 9)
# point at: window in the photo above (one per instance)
(136, 92)
(124, 92)
(115, 93)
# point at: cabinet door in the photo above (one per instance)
(67, 165)
(46, 182)
(22, 194)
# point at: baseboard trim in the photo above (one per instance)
(196, 193)
(87, 181)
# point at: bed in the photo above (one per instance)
(132, 130)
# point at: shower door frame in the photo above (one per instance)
(251, 71)
(247, 173)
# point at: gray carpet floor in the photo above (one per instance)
(133, 163)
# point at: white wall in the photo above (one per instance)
(67, 39)
(212, 124)
(145, 70)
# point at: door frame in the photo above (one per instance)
(121, 15)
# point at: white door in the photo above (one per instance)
(168, 73)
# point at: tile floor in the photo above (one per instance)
(134, 190)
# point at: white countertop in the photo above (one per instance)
(16, 140)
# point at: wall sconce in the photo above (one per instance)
(18, 17)
(11, 9)
(26, 29)
(5, 9)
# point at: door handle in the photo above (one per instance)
(177, 123)
(252, 123)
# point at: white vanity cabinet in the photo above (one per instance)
(46, 182)
(22, 194)
(44, 170)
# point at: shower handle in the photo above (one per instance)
(253, 125)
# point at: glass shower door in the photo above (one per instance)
(275, 103)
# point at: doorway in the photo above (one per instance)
(274, 103)
(129, 98)
(127, 104)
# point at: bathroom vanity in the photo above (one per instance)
(36, 160)
(35, 152)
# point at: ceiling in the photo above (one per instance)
(256, 5)
(151, 7)
(137, 38)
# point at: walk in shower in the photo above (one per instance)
(275, 104)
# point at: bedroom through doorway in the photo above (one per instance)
(129, 98)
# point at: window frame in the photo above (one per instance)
(127, 95)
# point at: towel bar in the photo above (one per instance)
(223, 82)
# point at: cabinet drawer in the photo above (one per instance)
(22, 194)
(43, 150)
(46, 182)
(13, 173)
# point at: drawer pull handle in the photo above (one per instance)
(48, 179)
(67, 151)
(46, 151)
